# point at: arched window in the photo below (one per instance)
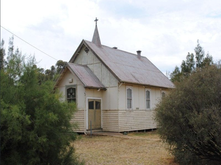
(163, 94)
(147, 99)
(129, 98)
(71, 94)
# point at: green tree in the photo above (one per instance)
(52, 73)
(60, 65)
(2, 55)
(35, 125)
(176, 74)
(199, 55)
(191, 63)
(208, 60)
(189, 118)
(188, 65)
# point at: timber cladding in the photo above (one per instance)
(78, 118)
(128, 120)
(110, 120)
(131, 120)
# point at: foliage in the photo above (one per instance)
(2, 54)
(60, 65)
(192, 62)
(189, 118)
(52, 73)
(35, 125)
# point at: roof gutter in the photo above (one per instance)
(123, 82)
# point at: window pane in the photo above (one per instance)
(129, 103)
(148, 104)
(163, 94)
(129, 98)
(129, 93)
(71, 94)
(91, 104)
(147, 94)
(98, 105)
(147, 99)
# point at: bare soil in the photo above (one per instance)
(132, 149)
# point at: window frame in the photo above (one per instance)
(147, 99)
(131, 99)
(66, 93)
(163, 94)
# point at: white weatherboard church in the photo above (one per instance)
(114, 90)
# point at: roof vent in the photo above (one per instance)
(114, 47)
(139, 54)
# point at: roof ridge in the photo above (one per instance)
(118, 49)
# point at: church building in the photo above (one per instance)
(114, 90)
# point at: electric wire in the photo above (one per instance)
(29, 43)
(54, 79)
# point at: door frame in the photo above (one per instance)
(93, 98)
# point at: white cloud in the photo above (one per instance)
(165, 30)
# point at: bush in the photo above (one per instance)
(35, 125)
(189, 118)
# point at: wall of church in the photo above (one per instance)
(138, 117)
(139, 96)
(97, 67)
(78, 117)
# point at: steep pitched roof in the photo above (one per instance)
(85, 75)
(127, 67)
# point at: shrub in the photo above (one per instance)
(35, 125)
(189, 118)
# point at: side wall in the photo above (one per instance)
(138, 117)
(78, 117)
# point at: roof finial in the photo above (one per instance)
(96, 38)
(96, 20)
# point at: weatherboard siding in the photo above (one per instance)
(110, 120)
(78, 119)
(131, 120)
(128, 120)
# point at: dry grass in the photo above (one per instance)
(133, 149)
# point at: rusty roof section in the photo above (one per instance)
(127, 67)
(96, 38)
(86, 76)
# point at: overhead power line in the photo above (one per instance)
(29, 43)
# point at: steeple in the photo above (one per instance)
(96, 38)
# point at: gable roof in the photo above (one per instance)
(85, 75)
(127, 67)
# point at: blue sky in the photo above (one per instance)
(164, 30)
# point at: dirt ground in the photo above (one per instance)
(132, 149)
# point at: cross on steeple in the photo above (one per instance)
(96, 38)
(96, 20)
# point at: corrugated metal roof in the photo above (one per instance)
(127, 67)
(85, 75)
